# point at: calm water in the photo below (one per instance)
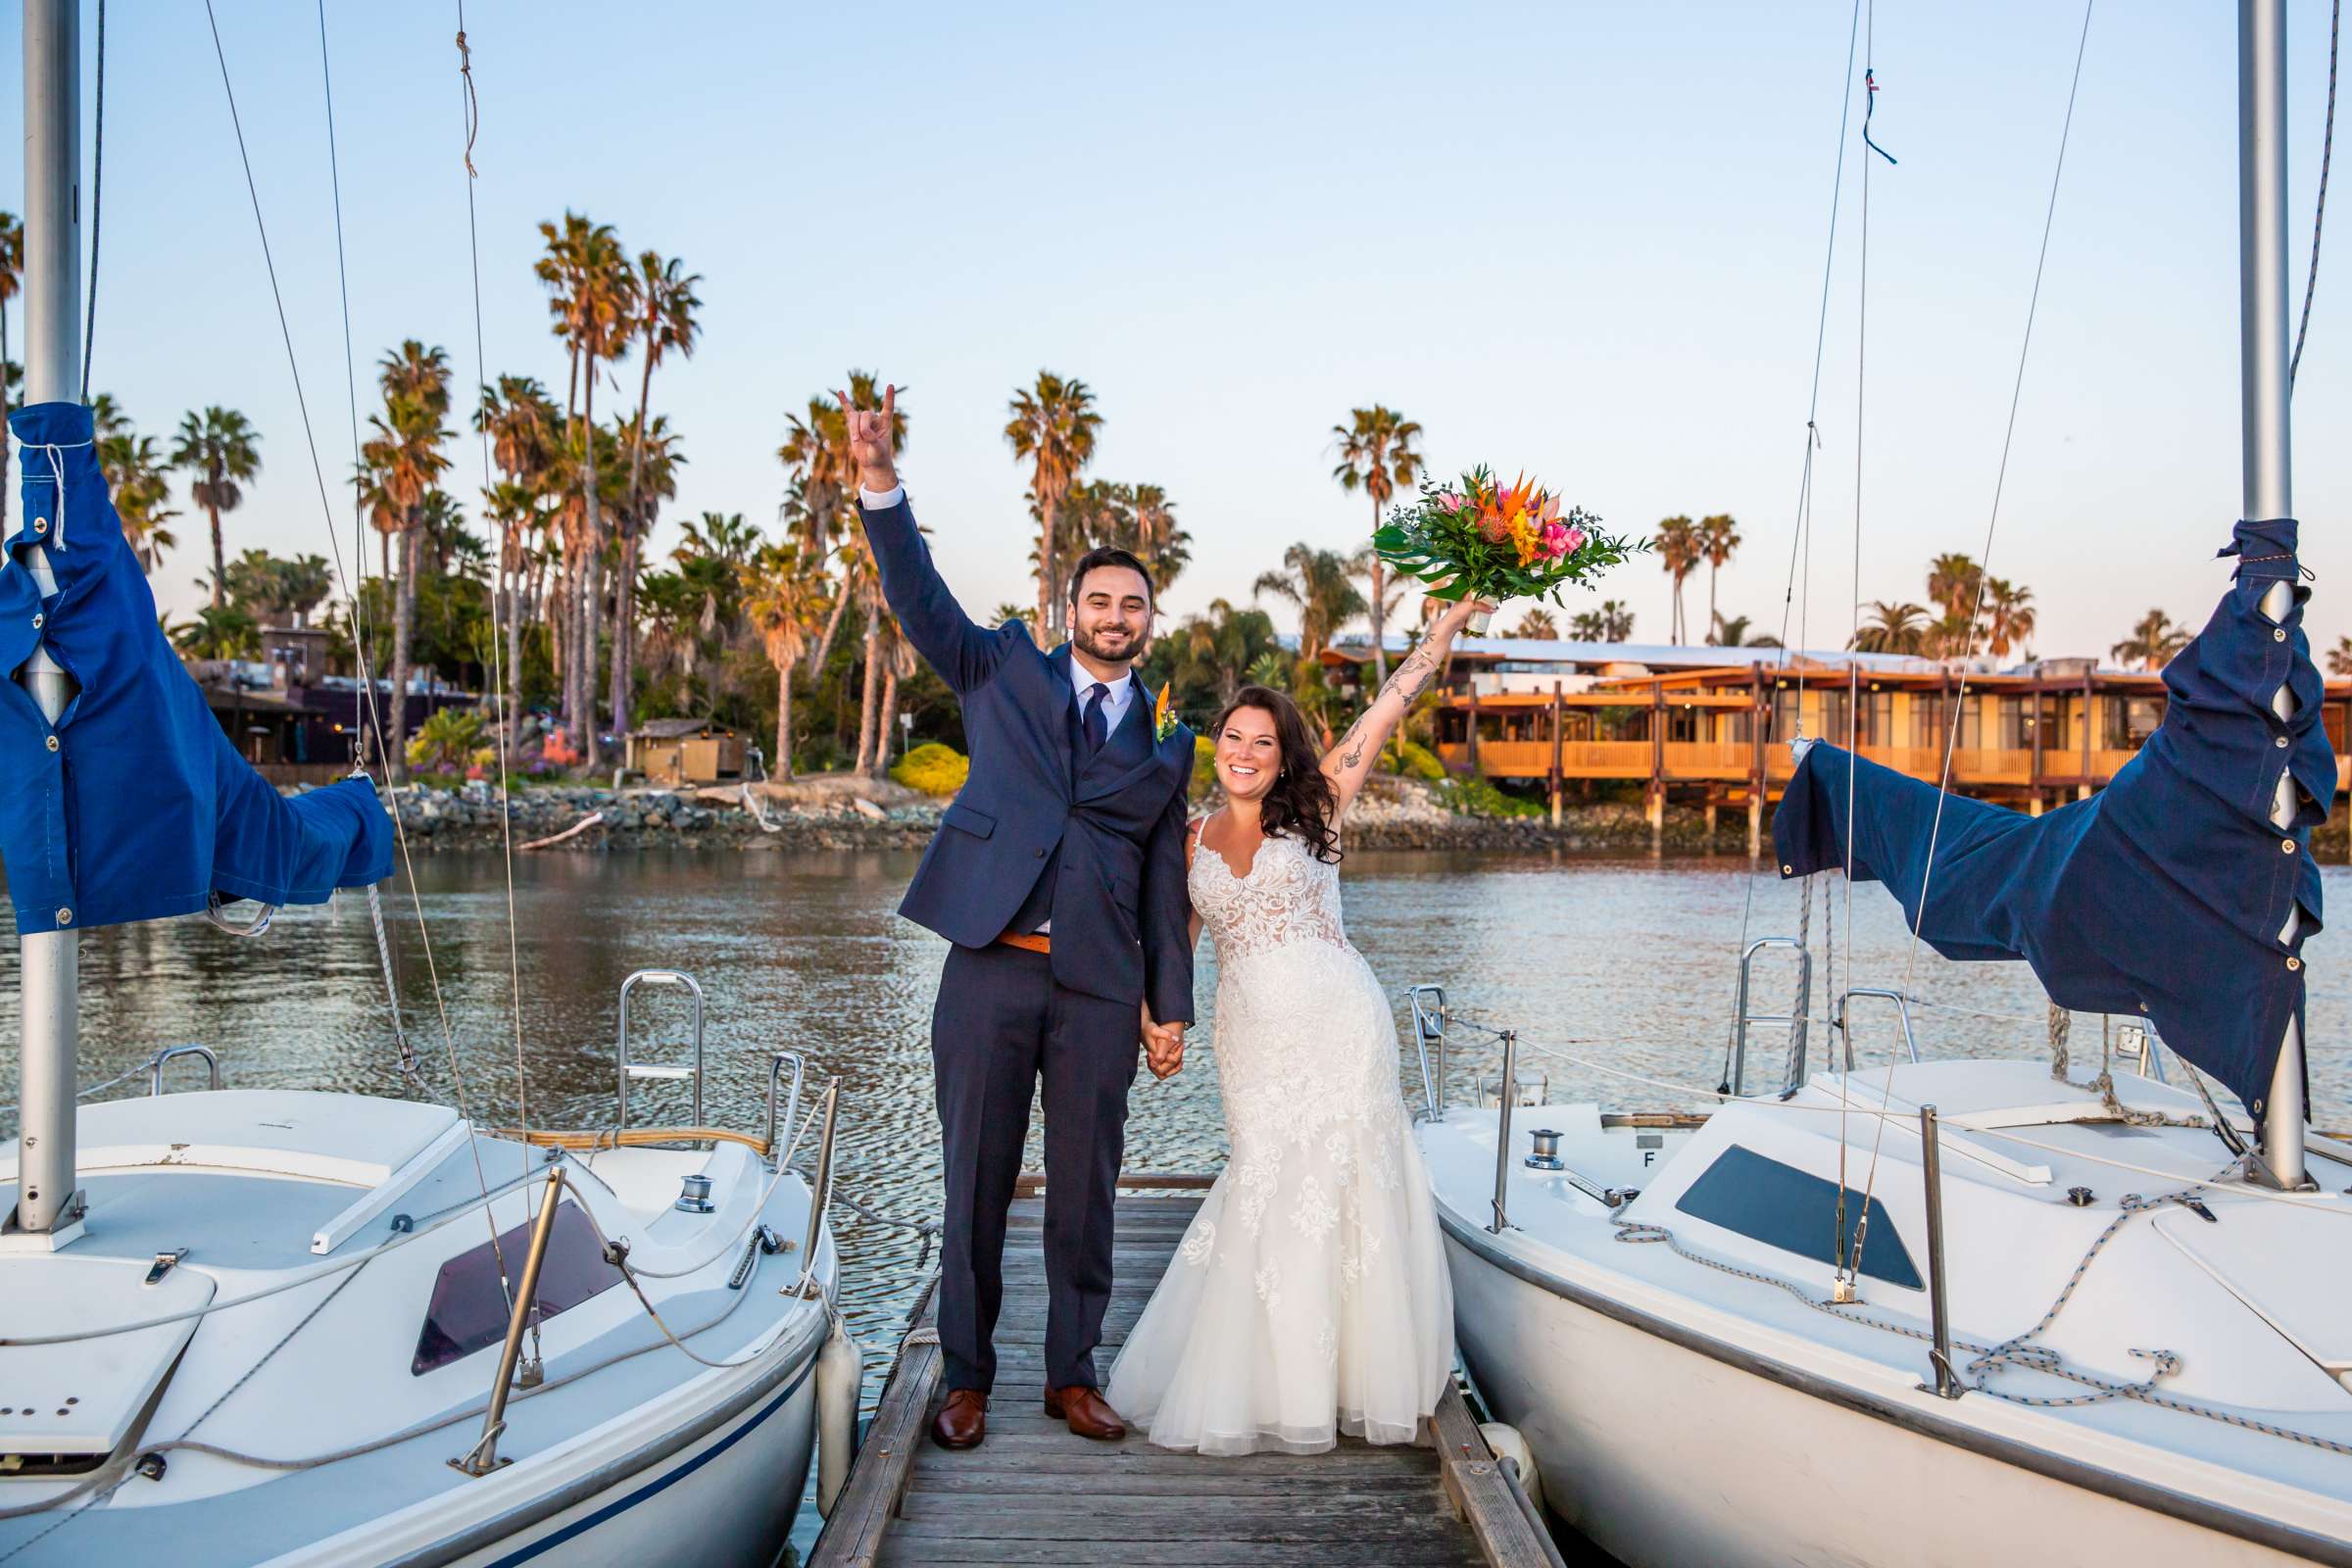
(1627, 962)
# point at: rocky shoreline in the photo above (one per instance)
(831, 814)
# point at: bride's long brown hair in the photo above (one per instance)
(1302, 802)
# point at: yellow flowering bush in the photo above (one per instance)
(933, 769)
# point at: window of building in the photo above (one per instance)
(1878, 718)
(2014, 723)
(469, 1310)
(1927, 720)
(1797, 1211)
(1836, 715)
(2130, 720)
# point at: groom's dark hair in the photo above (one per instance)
(1110, 555)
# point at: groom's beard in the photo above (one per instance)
(1107, 647)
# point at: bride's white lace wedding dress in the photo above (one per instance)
(1309, 1296)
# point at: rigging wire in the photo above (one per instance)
(1944, 783)
(360, 652)
(1853, 662)
(372, 721)
(89, 326)
(1800, 539)
(498, 669)
(2318, 216)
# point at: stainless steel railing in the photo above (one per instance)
(209, 1057)
(629, 1069)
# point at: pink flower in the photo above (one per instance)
(1576, 540)
(1556, 540)
(1450, 501)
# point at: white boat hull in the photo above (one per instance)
(1664, 1455)
(724, 1499)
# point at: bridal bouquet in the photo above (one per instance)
(1479, 539)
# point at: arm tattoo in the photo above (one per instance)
(1407, 681)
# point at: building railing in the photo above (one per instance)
(1730, 762)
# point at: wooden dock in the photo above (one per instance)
(1035, 1493)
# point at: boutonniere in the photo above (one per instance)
(1163, 719)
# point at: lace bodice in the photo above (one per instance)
(1289, 896)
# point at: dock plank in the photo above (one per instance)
(1032, 1495)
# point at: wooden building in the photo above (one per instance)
(685, 751)
(1710, 724)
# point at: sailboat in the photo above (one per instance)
(242, 1326)
(1975, 1312)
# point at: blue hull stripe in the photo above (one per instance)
(589, 1522)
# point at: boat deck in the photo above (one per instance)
(1034, 1494)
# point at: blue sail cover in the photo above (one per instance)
(135, 806)
(2165, 894)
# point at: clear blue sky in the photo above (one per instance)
(1582, 239)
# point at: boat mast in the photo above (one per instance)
(2269, 465)
(48, 1204)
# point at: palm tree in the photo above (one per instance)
(1612, 623)
(12, 275)
(898, 662)
(1053, 425)
(1163, 545)
(1376, 455)
(2009, 615)
(1952, 583)
(138, 482)
(2339, 658)
(521, 421)
(591, 298)
(217, 632)
(1216, 650)
(403, 462)
(653, 481)
(784, 594)
(1718, 541)
(1680, 552)
(1895, 628)
(817, 495)
(2154, 641)
(1538, 622)
(664, 323)
(1320, 582)
(222, 451)
(1731, 632)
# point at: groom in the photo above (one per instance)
(1059, 875)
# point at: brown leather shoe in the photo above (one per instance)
(1089, 1414)
(962, 1421)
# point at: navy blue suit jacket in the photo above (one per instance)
(1120, 911)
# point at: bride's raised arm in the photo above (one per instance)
(1347, 763)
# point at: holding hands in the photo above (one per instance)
(1163, 1046)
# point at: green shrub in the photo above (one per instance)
(1412, 760)
(1478, 796)
(446, 741)
(933, 769)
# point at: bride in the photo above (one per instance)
(1309, 1296)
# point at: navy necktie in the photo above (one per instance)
(1097, 729)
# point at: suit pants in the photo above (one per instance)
(1001, 1024)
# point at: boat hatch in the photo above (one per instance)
(1797, 1211)
(2242, 1250)
(64, 1402)
(470, 1305)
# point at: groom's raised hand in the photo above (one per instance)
(869, 431)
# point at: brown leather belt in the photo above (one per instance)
(1029, 940)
